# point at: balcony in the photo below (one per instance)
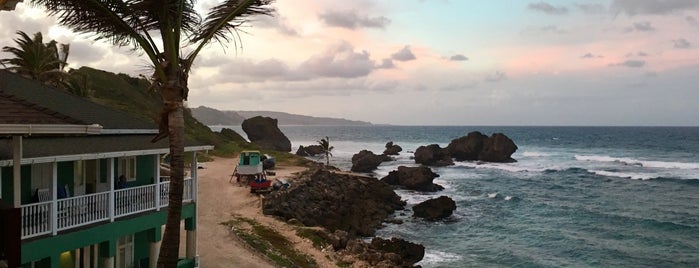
(54, 216)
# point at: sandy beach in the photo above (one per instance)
(219, 200)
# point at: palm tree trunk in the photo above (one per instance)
(169, 249)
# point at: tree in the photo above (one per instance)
(182, 35)
(327, 149)
(37, 60)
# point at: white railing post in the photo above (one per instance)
(157, 182)
(54, 198)
(195, 168)
(110, 178)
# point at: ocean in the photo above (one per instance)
(576, 197)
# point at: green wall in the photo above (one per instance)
(145, 170)
(54, 246)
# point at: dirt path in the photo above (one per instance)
(219, 200)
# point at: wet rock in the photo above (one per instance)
(264, 132)
(392, 149)
(435, 209)
(367, 161)
(413, 178)
(433, 155)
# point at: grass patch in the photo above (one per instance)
(314, 236)
(269, 242)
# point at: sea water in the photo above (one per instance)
(576, 197)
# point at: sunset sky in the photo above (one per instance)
(439, 62)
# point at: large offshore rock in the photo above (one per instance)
(435, 209)
(413, 178)
(410, 253)
(433, 155)
(310, 150)
(476, 146)
(392, 149)
(367, 161)
(264, 132)
(355, 204)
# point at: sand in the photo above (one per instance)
(218, 200)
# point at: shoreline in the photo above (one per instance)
(221, 201)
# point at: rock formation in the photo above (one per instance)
(392, 149)
(310, 150)
(413, 178)
(432, 155)
(355, 204)
(476, 146)
(367, 161)
(435, 209)
(264, 132)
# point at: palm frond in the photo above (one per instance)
(222, 22)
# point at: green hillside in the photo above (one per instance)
(130, 94)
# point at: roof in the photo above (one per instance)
(14, 110)
(69, 105)
(99, 146)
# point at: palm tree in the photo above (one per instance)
(327, 149)
(37, 60)
(133, 23)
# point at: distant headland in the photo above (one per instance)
(210, 116)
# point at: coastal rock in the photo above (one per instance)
(432, 155)
(410, 253)
(310, 150)
(413, 178)
(264, 132)
(498, 148)
(435, 209)
(392, 149)
(355, 204)
(367, 161)
(477, 146)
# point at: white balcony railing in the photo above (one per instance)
(88, 209)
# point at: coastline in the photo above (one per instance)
(221, 201)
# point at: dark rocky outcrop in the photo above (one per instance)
(310, 150)
(355, 204)
(410, 253)
(413, 178)
(435, 209)
(392, 149)
(433, 155)
(384, 253)
(477, 146)
(367, 161)
(264, 132)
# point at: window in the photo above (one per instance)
(42, 175)
(124, 257)
(127, 167)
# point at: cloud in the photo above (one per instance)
(591, 8)
(547, 8)
(589, 55)
(386, 64)
(630, 64)
(458, 57)
(681, 43)
(655, 7)
(274, 22)
(496, 77)
(642, 54)
(643, 26)
(553, 29)
(692, 21)
(404, 54)
(339, 61)
(351, 20)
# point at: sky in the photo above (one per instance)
(438, 62)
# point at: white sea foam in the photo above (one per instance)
(628, 175)
(508, 198)
(493, 195)
(511, 167)
(434, 258)
(535, 154)
(637, 162)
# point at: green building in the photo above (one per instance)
(81, 185)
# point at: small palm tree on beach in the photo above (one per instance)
(327, 149)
